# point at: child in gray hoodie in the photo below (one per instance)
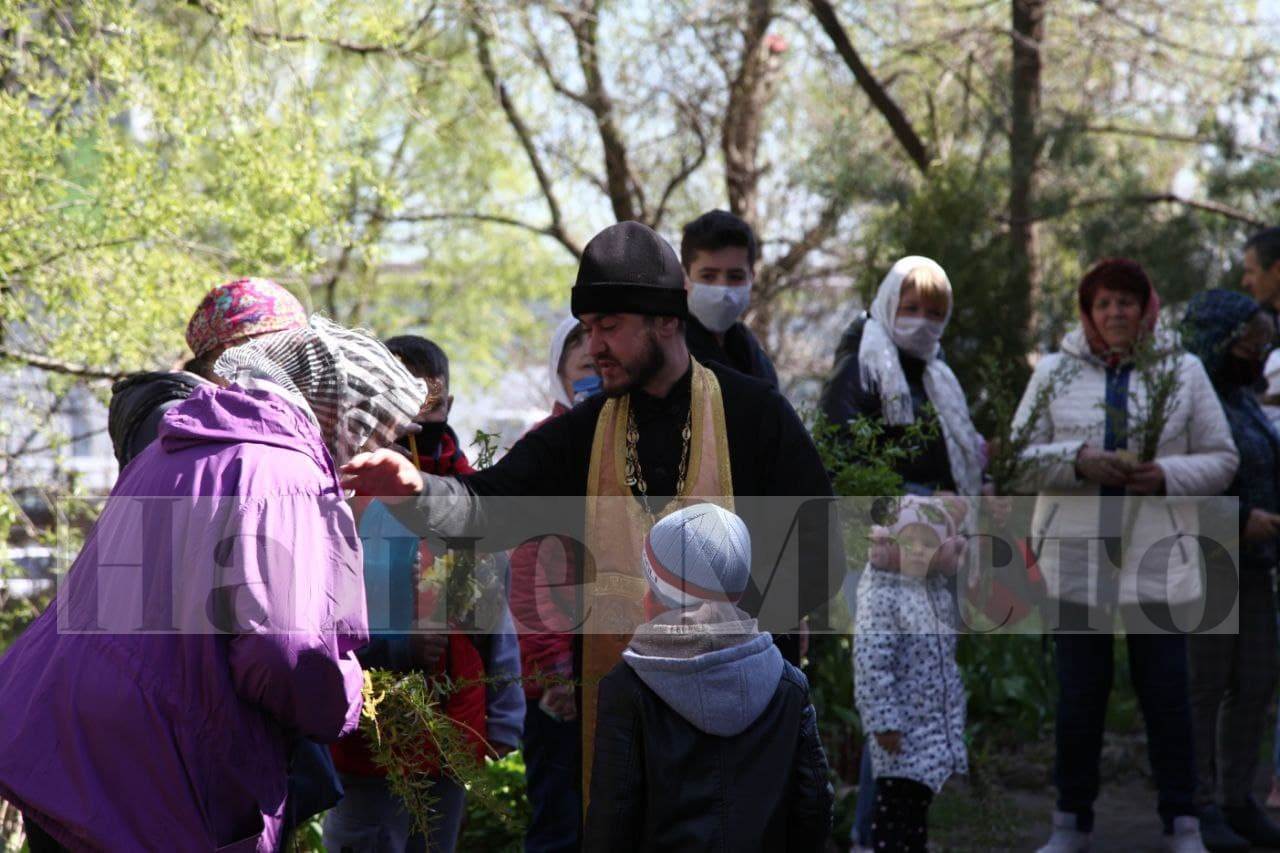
(705, 739)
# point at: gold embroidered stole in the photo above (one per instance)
(616, 525)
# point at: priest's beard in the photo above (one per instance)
(646, 365)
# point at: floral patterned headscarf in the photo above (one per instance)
(240, 310)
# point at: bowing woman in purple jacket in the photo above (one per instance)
(213, 613)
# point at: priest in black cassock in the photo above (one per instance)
(667, 432)
(665, 426)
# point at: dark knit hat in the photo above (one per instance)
(628, 269)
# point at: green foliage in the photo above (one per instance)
(398, 711)
(862, 459)
(484, 829)
(974, 818)
(1011, 684)
(151, 151)
(408, 734)
(1157, 367)
(829, 667)
(17, 612)
(1007, 442)
(486, 449)
(64, 538)
(308, 838)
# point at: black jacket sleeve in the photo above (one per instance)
(615, 814)
(798, 471)
(499, 503)
(844, 397)
(810, 823)
(761, 365)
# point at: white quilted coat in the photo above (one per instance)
(1197, 455)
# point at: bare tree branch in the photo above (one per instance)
(45, 448)
(54, 365)
(1152, 35)
(70, 250)
(1214, 207)
(625, 193)
(898, 122)
(1170, 136)
(572, 163)
(541, 59)
(778, 276)
(774, 276)
(749, 92)
(468, 216)
(556, 229)
(266, 34)
(688, 165)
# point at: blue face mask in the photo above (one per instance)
(587, 386)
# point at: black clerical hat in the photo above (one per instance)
(628, 269)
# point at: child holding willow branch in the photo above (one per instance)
(1080, 473)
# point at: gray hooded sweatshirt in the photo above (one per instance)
(711, 665)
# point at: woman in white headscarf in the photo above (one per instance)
(571, 372)
(889, 367)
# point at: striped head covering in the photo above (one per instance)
(360, 394)
(237, 311)
(698, 554)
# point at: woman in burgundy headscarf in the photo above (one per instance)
(1083, 460)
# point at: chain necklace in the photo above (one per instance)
(635, 477)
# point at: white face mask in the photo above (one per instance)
(718, 306)
(917, 336)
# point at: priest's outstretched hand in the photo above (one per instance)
(384, 474)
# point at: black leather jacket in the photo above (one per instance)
(659, 783)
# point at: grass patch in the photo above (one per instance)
(963, 819)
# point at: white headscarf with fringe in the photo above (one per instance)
(881, 370)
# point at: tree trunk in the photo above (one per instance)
(1024, 152)
(625, 194)
(749, 94)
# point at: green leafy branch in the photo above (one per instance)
(1159, 375)
(407, 731)
(862, 459)
(486, 447)
(1007, 461)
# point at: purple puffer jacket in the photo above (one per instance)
(151, 707)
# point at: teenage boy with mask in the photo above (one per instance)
(718, 251)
